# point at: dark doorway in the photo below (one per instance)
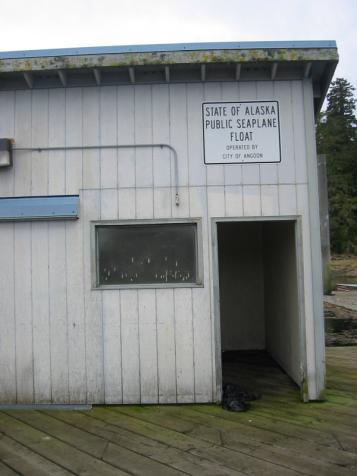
(259, 305)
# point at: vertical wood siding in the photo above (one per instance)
(61, 341)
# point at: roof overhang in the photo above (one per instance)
(193, 62)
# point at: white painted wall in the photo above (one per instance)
(281, 297)
(61, 341)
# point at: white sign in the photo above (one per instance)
(241, 132)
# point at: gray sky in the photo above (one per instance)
(42, 24)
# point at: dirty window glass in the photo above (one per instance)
(146, 254)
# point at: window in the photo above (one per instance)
(147, 254)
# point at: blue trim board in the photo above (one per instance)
(103, 50)
(56, 207)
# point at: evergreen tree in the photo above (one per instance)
(336, 138)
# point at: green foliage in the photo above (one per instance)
(337, 139)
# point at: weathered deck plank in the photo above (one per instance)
(94, 445)
(237, 437)
(63, 455)
(142, 445)
(278, 436)
(7, 471)
(24, 461)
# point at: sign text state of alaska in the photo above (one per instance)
(241, 132)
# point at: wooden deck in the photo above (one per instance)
(278, 436)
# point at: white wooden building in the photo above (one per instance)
(155, 225)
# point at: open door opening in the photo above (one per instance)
(259, 301)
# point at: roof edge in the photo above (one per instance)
(157, 48)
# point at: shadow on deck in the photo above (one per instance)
(255, 371)
(278, 436)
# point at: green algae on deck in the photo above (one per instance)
(279, 435)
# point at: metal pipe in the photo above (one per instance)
(113, 146)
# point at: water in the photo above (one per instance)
(336, 326)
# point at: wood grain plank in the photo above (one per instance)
(7, 315)
(74, 138)
(130, 346)
(196, 166)
(143, 135)
(40, 252)
(299, 131)
(119, 457)
(201, 306)
(166, 345)
(41, 312)
(58, 312)
(91, 131)
(22, 166)
(184, 346)
(148, 346)
(238, 459)
(268, 172)
(112, 347)
(39, 137)
(7, 471)
(57, 279)
(286, 168)
(23, 313)
(261, 443)
(92, 304)
(24, 461)
(162, 158)
(178, 129)
(303, 211)
(111, 317)
(126, 135)
(57, 138)
(143, 445)
(108, 136)
(63, 454)
(202, 336)
(77, 385)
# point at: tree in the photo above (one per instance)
(337, 139)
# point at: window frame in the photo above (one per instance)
(95, 255)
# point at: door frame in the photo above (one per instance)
(217, 384)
